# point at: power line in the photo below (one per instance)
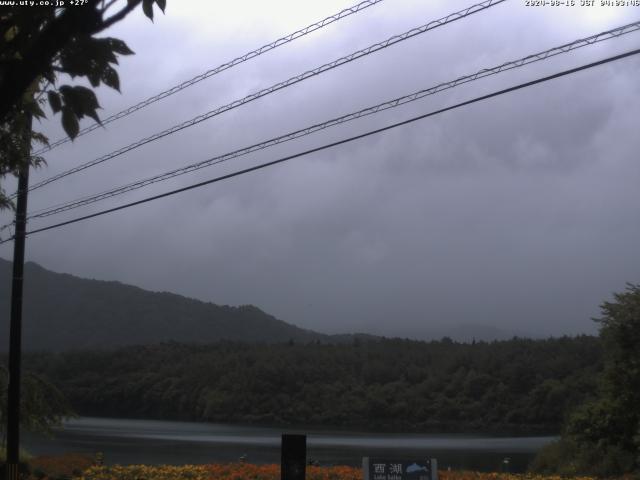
(220, 68)
(340, 142)
(278, 86)
(87, 200)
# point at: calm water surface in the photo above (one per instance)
(161, 442)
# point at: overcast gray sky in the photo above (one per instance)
(521, 212)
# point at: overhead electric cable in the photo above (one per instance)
(87, 200)
(220, 68)
(339, 142)
(278, 86)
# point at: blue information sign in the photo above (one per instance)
(375, 468)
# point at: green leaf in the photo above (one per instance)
(35, 110)
(89, 56)
(93, 114)
(70, 122)
(119, 46)
(94, 78)
(88, 102)
(147, 8)
(162, 4)
(87, 97)
(38, 161)
(110, 78)
(67, 93)
(81, 100)
(40, 138)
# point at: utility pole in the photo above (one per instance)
(15, 333)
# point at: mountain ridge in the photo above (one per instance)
(63, 311)
(57, 306)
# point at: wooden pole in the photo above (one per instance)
(15, 331)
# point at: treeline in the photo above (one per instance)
(518, 385)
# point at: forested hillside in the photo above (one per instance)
(64, 312)
(517, 385)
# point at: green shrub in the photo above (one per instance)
(555, 458)
(568, 458)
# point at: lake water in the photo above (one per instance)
(126, 441)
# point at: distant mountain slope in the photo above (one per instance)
(63, 312)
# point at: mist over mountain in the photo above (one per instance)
(63, 312)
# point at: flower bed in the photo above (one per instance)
(232, 471)
(247, 471)
(83, 467)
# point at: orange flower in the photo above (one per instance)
(69, 465)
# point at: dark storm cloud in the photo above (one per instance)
(516, 213)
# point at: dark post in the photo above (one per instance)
(15, 332)
(293, 457)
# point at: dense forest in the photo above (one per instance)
(390, 384)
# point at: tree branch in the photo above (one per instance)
(107, 6)
(49, 41)
(120, 15)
